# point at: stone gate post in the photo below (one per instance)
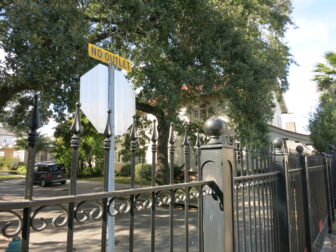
(216, 161)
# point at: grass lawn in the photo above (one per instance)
(118, 180)
(8, 177)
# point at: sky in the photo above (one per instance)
(314, 34)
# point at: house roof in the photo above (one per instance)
(294, 136)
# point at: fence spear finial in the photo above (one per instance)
(154, 134)
(186, 139)
(133, 133)
(76, 125)
(108, 128)
(198, 140)
(171, 139)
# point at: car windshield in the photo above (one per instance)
(57, 167)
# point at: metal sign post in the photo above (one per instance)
(111, 186)
(121, 102)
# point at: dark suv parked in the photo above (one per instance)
(49, 172)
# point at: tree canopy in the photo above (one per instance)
(182, 51)
(322, 123)
(44, 45)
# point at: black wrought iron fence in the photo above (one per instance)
(255, 194)
(319, 205)
(25, 215)
(246, 199)
(283, 200)
(295, 203)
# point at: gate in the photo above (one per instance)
(246, 199)
(255, 188)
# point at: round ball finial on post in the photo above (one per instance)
(299, 149)
(277, 145)
(214, 128)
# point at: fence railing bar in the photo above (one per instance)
(255, 218)
(200, 193)
(20, 204)
(294, 213)
(237, 218)
(153, 178)
(290, 211)
(260, 217)
(133, 148)
(317, 167)
(25, 230)
(171, 142)
(75, 129)
(107, 146)
(273, 216)
(186, 148)
(250, 218)
(326, 179)
(331, 188)
(268, 212)
(34, 124)
(264, 216)
(244, 218)
(293, 171)
(257, 176)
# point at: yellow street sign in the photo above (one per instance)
(108, 57)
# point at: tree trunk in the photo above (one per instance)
(162, 168)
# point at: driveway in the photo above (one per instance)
(87, 236)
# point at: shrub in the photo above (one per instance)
(9, 163)
(22, 169)
(125, 170)
(146, 171)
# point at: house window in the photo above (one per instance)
(2, 153)
(202, 112)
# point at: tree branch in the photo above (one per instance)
(150, 109)
(7, 93)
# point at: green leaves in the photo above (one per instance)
(326, 73)
(44, 44)
(322, 123)
(231, 49)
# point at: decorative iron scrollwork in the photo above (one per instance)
(94, 212)
(143, 201)
(118, 205)
(180, 196)
(163, 198)
(5, 230)
(193, 193)
(58, 221)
